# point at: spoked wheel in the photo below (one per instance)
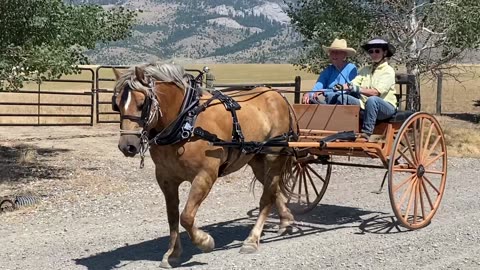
(417, 171)
(309, 182)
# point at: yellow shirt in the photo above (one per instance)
(382, 79)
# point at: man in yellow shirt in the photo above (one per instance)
(374, 86)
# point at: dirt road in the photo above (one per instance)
(98, 210)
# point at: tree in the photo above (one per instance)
(43, 39)
(430, 35)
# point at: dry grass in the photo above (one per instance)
(462, 138)
(460, 97)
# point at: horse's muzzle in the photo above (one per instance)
(130, 146)
(128, 150)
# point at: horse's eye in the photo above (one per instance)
(140, 106)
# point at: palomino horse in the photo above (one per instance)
(152, 98)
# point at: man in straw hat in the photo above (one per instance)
(338, 72)
(374, 87)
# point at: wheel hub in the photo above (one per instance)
(420, 171)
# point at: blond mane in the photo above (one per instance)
(158, 71)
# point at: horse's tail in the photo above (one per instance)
(287, 174)
(286, 177)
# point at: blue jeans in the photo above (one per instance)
(337, 97)
(316, 100)
(329, 98)
(375, 109)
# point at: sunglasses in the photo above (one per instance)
(371, 51)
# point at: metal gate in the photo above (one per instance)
(60, 102)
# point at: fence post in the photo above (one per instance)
(93, 91)
(439, 93)
(38, 101)
(298, 85)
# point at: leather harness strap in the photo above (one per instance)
(230, 105)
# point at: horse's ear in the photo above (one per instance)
(116, 73)
(140, 74)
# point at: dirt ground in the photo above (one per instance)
(98, 210)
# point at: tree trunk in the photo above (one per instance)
(413, 89)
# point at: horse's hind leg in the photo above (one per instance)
(170, 191)
(273, 167)
(259, 170)
(199, 190)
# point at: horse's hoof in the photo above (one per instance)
(285, 230)
(207, 245)
(248, 249)
(165, 264)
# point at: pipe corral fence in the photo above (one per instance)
(85, 99)
(60, 102)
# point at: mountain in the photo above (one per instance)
(215, 31)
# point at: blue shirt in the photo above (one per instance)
(331, 76)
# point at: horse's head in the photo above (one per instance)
(136, 98)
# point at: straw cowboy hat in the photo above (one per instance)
(340, 45)
(380, 43)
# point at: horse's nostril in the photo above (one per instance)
(131, 149)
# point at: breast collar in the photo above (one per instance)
(182, 127)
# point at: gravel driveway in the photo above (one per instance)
(98, 210)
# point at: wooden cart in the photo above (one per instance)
(410, 146)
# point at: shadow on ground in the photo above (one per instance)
(24, 163)
(230, 235)
(469, 117)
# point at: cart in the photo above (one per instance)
(410, 146)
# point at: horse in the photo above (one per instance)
(153, 99)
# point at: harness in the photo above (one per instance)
(250, 147)
(230, 105)
(183, 127)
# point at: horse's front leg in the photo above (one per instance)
(170, 191)
(199, 190)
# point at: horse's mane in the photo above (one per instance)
(160, 72)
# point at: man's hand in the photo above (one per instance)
(338, 87)
(306, 96)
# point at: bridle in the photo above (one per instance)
(150, 112)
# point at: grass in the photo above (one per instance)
(460, 99)
(462, 138)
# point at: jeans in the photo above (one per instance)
(316, 101)
(375, 109)
(346, 99)
(329, 98)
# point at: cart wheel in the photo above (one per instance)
(417, 171)
(309, 182)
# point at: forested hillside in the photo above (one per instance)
(253, 31)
